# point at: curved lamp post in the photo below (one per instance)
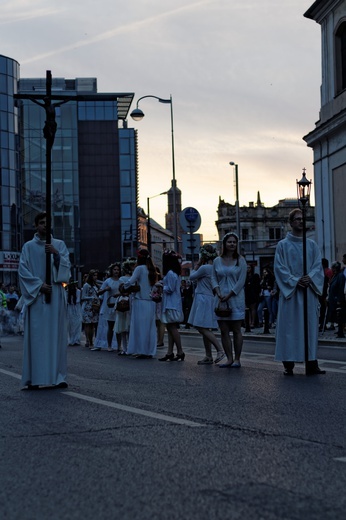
(137, 115)
(303, 193)
(237, 216)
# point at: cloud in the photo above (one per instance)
(24, 10)
(117, 31)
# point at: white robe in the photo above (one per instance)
(142, 337)
(74, 317)
(288, 269)
(45, 328)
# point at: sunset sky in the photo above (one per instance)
(244, 77)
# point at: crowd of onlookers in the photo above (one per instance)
(261, 296)
(10, 307)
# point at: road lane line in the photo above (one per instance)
(130, 409)
(12, 374)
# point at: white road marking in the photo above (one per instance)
(130, 409)
(12, 374)
(119, 406)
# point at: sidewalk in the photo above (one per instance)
(328, 337)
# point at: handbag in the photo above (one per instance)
(95, 305)
(134, 288)
(123, 304)
(111, 301)
(223, 310)
(156, 295)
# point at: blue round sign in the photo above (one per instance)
(191, 214)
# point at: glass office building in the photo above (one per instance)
(94, 170)
(10, 224)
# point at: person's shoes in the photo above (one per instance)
(122, 353)
(179, 357)
(205, 361)
(167, 357)
(63, 384)
(288, 372)
(87, 345)
(236, 364)
(95, 349)
(143, 356)
(315, 371)
(160, 345)
(226, 365)
(33, 387)
(220, 356)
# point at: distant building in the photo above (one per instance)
(94, 170)
(261, 228)
(161, 238)
(170, 213)
(329, 136)
(10, 195)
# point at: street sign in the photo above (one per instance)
(190, 220)
(191, 244)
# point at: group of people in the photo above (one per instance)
(333, 298)
(10, 309)
(130, 309)
(261, 292)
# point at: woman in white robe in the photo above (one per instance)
(228, 280)
(74, 314)
(202, 315)
(142, 337)
(109, 291)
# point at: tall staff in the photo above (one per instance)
(303, 189)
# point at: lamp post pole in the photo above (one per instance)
(237, 215)
(148, 221)
(303, 188)
(137, 115)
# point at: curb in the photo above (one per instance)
(260, 336)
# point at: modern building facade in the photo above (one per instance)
(261, 227)
(10, 211)
(328, 139)
(94, 170)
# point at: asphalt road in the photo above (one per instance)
(138, 439)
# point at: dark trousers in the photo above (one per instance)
(311, 365)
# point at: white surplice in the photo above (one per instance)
(45, 328)
(288, 269)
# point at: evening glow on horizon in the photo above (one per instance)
(244, 78)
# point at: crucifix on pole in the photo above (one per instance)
(44, 100)
(49, 131)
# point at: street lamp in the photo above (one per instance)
(148, 221)
(236, 199)
(137, 115)
(303, 193)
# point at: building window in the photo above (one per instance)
(125, 210)
(275, 233)
(340, 57)
(245, 234)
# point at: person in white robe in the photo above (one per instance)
(142, 337)
(45, 328)
(74, 314)
(202, 315)
(288, 270)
